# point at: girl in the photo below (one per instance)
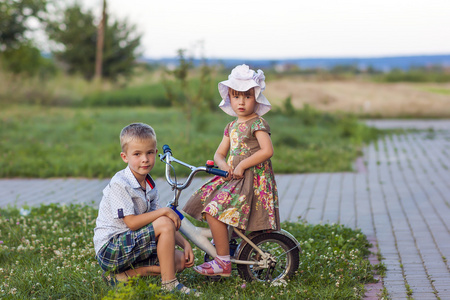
(247, 198)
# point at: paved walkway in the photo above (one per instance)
(400, 197)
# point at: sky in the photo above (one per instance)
(277, 29)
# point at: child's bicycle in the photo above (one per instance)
(262, 255)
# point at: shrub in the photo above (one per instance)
(147, 95)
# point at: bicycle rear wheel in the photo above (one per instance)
(283, 262)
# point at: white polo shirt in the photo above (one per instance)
(123, 196)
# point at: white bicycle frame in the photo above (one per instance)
(201, 236)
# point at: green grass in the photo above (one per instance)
(150, 95)
(49, 254)
(42, 141)
(442, 91)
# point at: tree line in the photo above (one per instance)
(72, 32)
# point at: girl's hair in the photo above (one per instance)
(136, 131)
(250, 92)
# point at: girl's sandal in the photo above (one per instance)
(223, 269)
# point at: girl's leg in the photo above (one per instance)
(221, 265)
(220, 235)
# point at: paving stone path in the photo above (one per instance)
(399, 197)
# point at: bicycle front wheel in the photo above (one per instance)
(283, 261)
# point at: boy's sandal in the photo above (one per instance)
(208, 270)
(112, 280)
(184, 289)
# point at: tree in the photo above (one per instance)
(17, 51)
(191, 91)
(14, 17)
(77, 35)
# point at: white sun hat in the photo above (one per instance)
(241, 79)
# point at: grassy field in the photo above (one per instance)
(47, 252)
(45, 141)
(365, 98)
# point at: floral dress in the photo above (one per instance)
(250, 203)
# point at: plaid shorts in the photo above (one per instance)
(129, 250)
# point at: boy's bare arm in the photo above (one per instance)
(188, 253)
(264, 153)
(134, 222)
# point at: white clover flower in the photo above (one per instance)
(280, 282)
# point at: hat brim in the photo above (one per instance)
(262, 107)
(238, 85)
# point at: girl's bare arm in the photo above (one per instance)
(220, 157)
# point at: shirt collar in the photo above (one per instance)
(133, 181)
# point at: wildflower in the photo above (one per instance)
(243, 286)
(24, 212)
(280, 282)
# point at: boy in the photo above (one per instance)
(133, 235)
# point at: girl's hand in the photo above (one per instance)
(230, 174)
(238, 172)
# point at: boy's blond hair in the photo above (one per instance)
(136, 131)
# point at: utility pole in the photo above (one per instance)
(100, 42)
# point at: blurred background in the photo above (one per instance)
(331, 55)
(73, 73)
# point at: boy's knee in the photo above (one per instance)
(164, 224)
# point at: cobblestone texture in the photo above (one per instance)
(400, 197)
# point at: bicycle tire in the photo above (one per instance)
(279, 246)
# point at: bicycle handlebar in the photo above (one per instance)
(166, 149)
(218, 172)
(168, 157)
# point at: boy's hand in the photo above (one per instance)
(188, 255)
(168, 212)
